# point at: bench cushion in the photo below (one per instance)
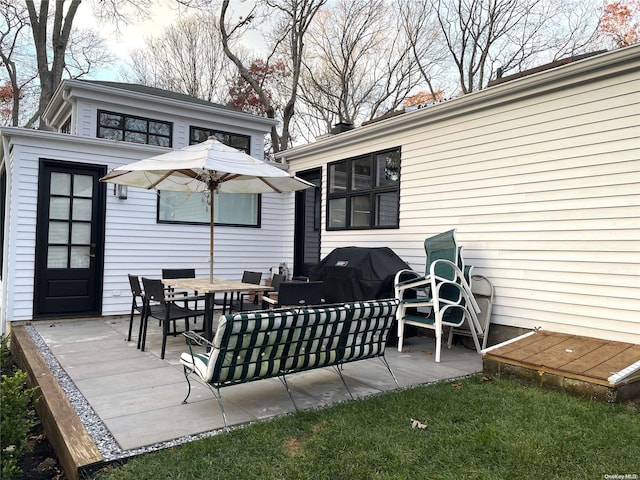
(249, 346)
(317, 337)
(368, 329)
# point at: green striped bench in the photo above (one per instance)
(253, 346)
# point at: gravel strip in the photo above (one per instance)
(101, 436)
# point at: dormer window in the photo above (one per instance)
(235, 140)
(129, 128)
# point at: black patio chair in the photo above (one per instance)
(137, 305)
(165, 306)
(183, 273)
(296, 294)
(247, 300)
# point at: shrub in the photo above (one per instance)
(16, 418)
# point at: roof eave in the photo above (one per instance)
(75, 86)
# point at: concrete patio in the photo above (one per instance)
(130, 402)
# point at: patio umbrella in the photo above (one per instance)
(210, 166)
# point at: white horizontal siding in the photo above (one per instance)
(134, 241)
(542, 185)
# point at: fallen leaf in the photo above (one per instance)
(418, 424)
(486, 378)
(457, 385)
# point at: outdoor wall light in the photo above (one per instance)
(120, 191)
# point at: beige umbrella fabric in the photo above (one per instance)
(211, 167)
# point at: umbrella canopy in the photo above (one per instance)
(210, 166)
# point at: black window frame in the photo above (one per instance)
(350, 192)
(124, 130)
(222, 136)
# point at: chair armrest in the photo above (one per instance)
(192, 338)
(173, 296)
(272, 301)
(416, 281)
(192, 298)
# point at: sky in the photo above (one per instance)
(133, 35)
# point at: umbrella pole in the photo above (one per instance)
(211, 194)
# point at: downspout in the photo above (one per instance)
(66, 97)
(7, 208)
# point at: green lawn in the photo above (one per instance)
(475, 429)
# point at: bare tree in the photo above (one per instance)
(15, 21)
(358, 63)
(484, 35)
(424, 36)
(60, 48)
(50, 71)
(291, 20)
(187, 57)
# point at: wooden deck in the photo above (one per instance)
(589, 366)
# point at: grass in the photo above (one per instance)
(475, 429)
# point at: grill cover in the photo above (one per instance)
(358, 273)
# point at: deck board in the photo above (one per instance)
(621, 360)
(592, 360)
(565, 352)
(571, 356)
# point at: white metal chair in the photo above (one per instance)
(483, 291)
(442, 297)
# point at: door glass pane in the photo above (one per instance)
(82, 186)
(80, 257)
(81, 209)
(58, 232)
(81, 233)
(59, 209)
(360, 211)
(338, 213)
(361, 174)
(57, 257)
(60, 183)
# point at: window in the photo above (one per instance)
(241, 142)
(238, 209)
(127, 128)
(364, 192)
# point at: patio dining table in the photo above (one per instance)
(209, 287)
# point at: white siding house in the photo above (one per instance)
(540, 176)
(130, 237)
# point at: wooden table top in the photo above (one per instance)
(203, 285)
